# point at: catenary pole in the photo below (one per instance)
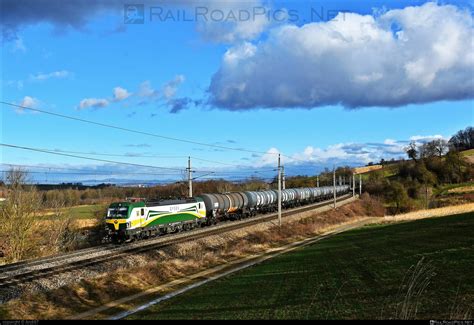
(353, 185)
(279, 191)
(283, 186)
(334, 185)
(190, 178)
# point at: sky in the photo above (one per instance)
(323, 83)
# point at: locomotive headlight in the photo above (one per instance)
(129, 224)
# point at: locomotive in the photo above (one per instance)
(126, 221)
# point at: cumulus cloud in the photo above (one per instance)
(74, 13)
(232, 21)
(120, 94)
(55, 74)
(339, 154)
(93, 103)
(28, 101)
(145, 90)
(412, 55)
(171, 87)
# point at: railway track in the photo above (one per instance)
(22, 272)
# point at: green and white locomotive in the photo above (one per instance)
(142, 219)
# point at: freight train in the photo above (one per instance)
(127, 220)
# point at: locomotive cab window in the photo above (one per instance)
(143, 212)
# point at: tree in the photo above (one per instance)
(434, 148)
(398, 194)
(463, 139)
(412, 150)
(440, 146)
(18, 216)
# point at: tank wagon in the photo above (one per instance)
(135, 220)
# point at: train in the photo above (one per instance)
(140, 219)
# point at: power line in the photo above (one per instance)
(89, 173)
(132, 130)
(87, 158)
(116, 155)
(133, 155)
(106, 172)
(149, 134)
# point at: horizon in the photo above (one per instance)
(325, 84)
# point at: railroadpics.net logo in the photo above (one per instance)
(135, 14)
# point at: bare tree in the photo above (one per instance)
(412, 150)
(18, 215)
(463, 140)
(60, 235)
(440, 146)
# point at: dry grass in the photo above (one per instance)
(430, 213)
(184, 259)
(463, 189)
(413, 286)
(366, 169)
(78, 223)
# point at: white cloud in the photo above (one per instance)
(270, 158)
(27, 101)
(339, 154)
(120, 94)
(232, 21)
(145, 89)
(353, 60)
(56, 74)
(93, 102)
(171, 87)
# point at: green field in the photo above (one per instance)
(468, 153)
(79, 212)
(363, 273)
(86, 211)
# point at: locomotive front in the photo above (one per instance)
(117, 220)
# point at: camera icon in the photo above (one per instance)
(133, 14)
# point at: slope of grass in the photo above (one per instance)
(419, 269)
(468, 153)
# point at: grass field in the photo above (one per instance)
(79, 212)
(419, 269)
(86, 211)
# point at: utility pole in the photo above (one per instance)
(283, 177)
(360, 184)
(317, 181)
(353, 185)
(190, 178)
(279, 191)
(334, 186)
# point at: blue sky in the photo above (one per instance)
(183, 79)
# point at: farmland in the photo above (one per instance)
(363, 273)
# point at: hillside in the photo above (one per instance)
(469, 155)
